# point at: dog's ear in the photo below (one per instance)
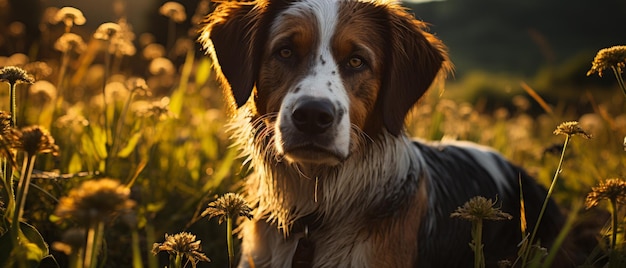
(415, 60)
(234, 36)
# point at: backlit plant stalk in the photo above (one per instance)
(228, 206)
(476, 210)
(32, 141)
(568, 129)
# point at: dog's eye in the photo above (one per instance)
(285, 53)
(356, 63)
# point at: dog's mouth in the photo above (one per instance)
(311, 153)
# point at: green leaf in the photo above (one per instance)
(130, 146)
(37, 247)
(203, 71)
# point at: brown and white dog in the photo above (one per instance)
(320, 91)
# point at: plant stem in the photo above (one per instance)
(479, 260)
(94, 237)
(545, 202)
(614, 219)
(229, 241)
(617, 72)
(13, 105)
(24, 182)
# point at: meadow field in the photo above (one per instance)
(113, 145)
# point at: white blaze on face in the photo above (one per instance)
(323, 79)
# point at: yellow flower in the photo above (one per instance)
(612, 57)
(571, 128)
(613, 189)
(480, 208)
(98, 200)
(229, 205)
(173, 10)
(183, 243)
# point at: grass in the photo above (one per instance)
(126, 109)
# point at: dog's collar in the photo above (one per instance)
(305, 250)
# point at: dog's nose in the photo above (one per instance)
(313, 116)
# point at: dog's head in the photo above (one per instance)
(322, 73)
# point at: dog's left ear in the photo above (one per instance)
(415, 60)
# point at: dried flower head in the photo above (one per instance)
(480, 208)
(95, 200)
(229, 205)
(613, 189)
(5, 123)
(607, 58)
(106, 31)
(182, 243)
(33, 140)
(69, 16)
(571, 128)
(173, 10)
(153, 51)
(13, 74)
(70, 42)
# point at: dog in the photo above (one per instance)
(319, 91)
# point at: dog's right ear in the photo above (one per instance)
(234, 36)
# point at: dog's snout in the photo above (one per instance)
(313, 116)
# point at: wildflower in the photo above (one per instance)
(480, 208)
(613, 189)
(571, 128)
(229, 205)
(69, 16)
(14, 74)
(612, 57)
(174, 11)
(70, 42)
(33, 140)
(98, 200)
(106, 31)
(17, 28)
(44, 87)
(183, 243)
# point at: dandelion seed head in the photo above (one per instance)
(106, 31)
(229, 205)
(153, 51)
(613, 189)
(157, 110)
(13, 74)
(45, 88)
(607, 58)
(174, 11)
(138, 85)
(70, 42)
(17, 28)
(95, 200)
(69, 16)
(571, 128)
(479, 208)
(160, 66)
(181, 243)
